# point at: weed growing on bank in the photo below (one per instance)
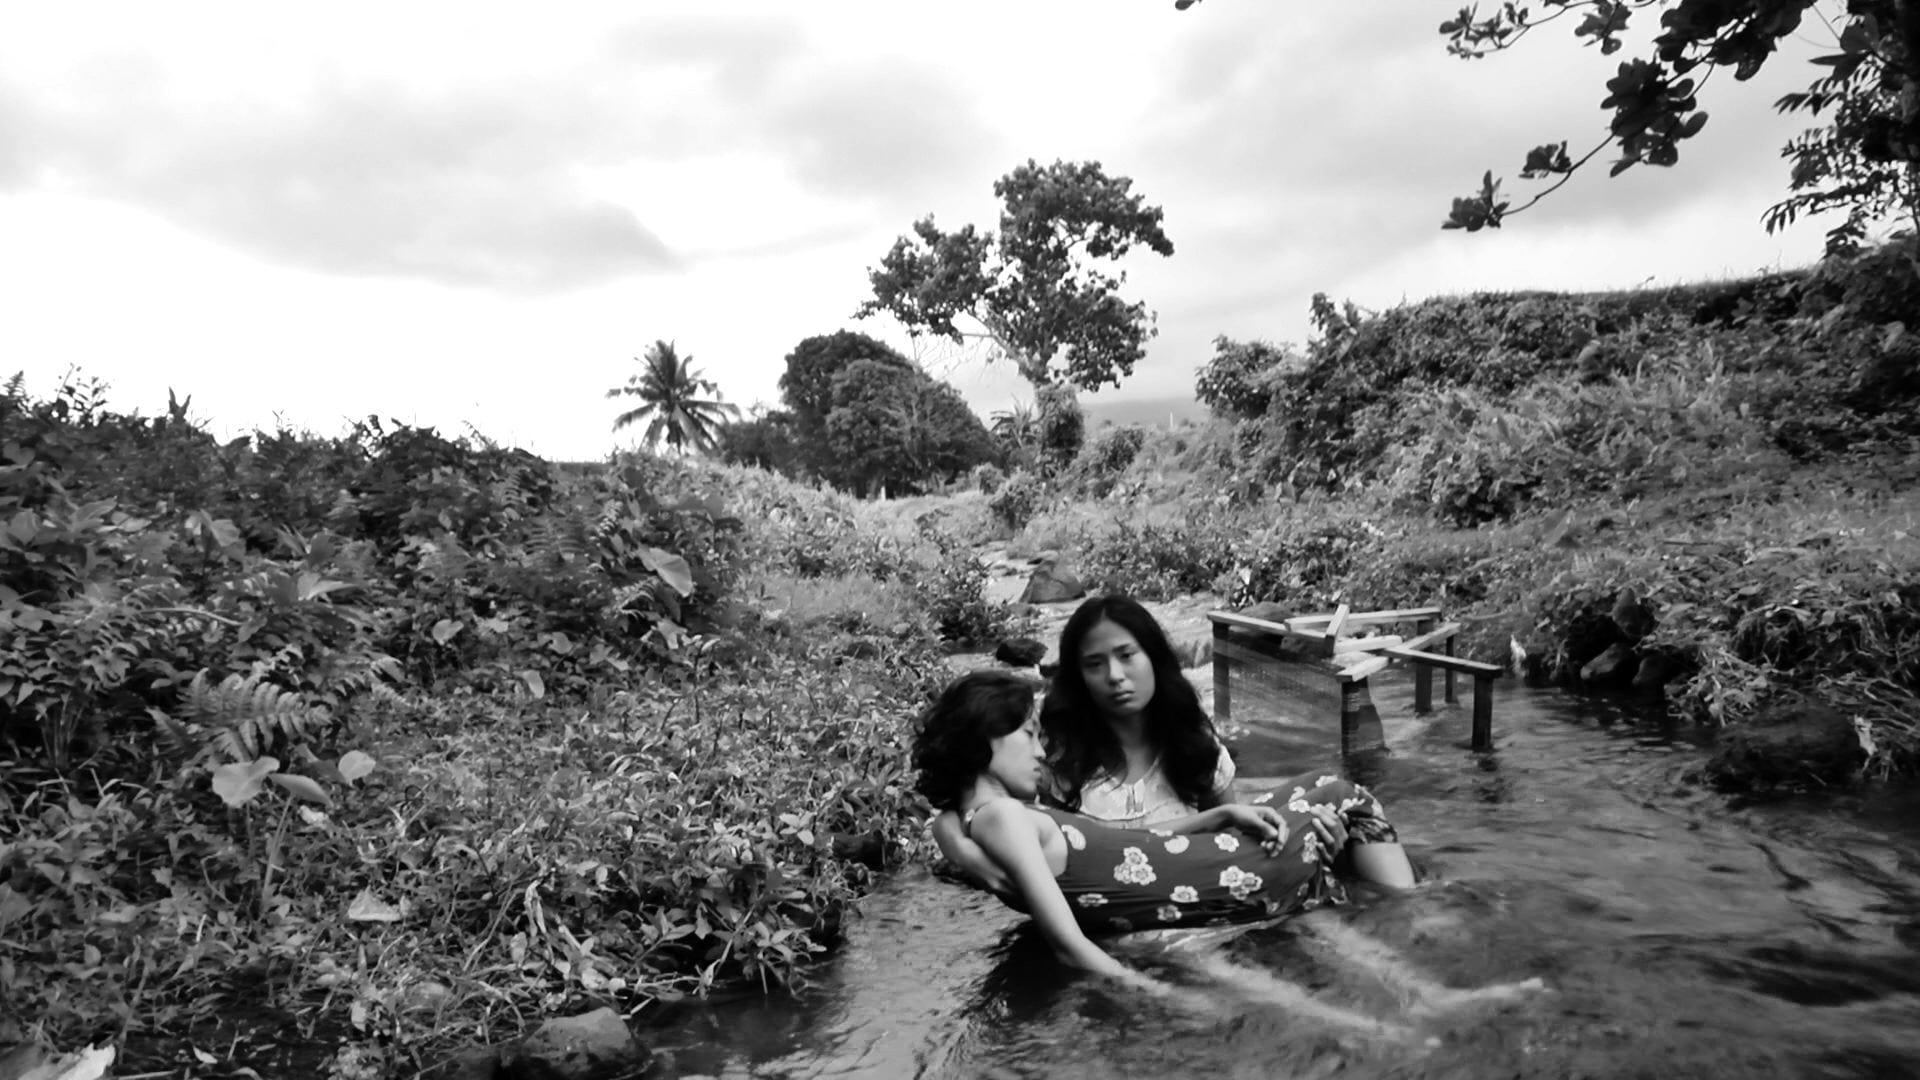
(498, 860)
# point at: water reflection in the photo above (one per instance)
(1682, 935)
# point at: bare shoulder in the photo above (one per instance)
(1002, 817)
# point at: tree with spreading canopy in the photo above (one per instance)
(806, 386)
(861, 416)
(1863, 163)
(670, 389)
(1037, 289)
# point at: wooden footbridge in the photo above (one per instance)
(1313, 661)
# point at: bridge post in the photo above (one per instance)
(1451, 696)
(1222, 697)
(1423, 676)
(1482, 713)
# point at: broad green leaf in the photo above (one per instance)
(301, 787)
(354, 765)
(238, 783)
(312, 585)
(444, 630)
(536, 685)
(23, 526)
(671, 568)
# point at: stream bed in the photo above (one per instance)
(1678, 932)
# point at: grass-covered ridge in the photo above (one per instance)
(1738, 458)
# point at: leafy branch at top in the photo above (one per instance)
(1864, 163)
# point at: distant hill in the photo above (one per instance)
(1149, 411)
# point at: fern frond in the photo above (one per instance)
(250, 716)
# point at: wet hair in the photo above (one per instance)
(953, 744)
(1081, 744)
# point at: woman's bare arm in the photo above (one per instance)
(1007, 832)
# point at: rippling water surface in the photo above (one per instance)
(1680, 934)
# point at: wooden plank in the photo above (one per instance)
(1338, 621)
(1446, 663)
(1428, 637)
(1366, 667)
(1368, 644)
(1368, 618)
(1246, 622)
(1309, 639)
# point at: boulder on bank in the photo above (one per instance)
(1658, 667)
(592, 1046)
(1613, 666)
(1052, 583)
(1791, 744)
(1020, 652)
(1587, 635)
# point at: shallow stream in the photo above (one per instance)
(1679, 933)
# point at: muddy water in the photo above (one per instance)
(1679, 934)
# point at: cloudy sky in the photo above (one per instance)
(479, 214)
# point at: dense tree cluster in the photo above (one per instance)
(862, 417)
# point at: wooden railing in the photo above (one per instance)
(1321, 635)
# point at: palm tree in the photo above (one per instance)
(1016, 429)
(668, 388)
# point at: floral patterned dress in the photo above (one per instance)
(1119, 880)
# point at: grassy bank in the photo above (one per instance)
(397, 743)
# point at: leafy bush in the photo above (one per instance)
(1019, 500)
(953, 595)
(1156, 561)
(1237, 384)
(1062, 427)
(1305, 564)
(391, 556)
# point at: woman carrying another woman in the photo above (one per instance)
(978, 753)
(1128, 744)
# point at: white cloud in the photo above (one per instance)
(471, 213)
